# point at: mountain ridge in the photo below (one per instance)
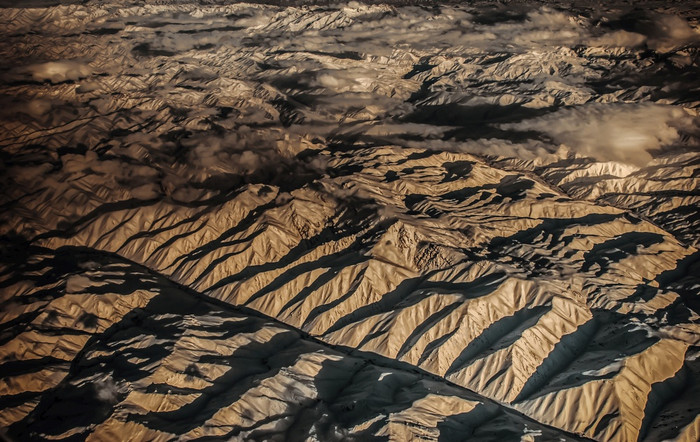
(503, 198)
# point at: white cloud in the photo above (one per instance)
(611, 132)
(58, 71)
(619, 39)
(670, 32)
(106, 390)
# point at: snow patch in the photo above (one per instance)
(610, 368)
(530, 435)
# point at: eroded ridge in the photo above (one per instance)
(502, 199)
(108, 348)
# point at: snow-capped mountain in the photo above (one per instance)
(349, 221)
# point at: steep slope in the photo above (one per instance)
(138, 355)
(488, 279)
(486, 194)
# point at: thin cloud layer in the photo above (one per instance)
(214, 96)
(59, 71)
(612, 132)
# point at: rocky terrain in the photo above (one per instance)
(349, 221)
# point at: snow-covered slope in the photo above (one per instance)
(482, 203)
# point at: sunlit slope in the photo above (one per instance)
(504, 198)
(109, 350)
(556, 306)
